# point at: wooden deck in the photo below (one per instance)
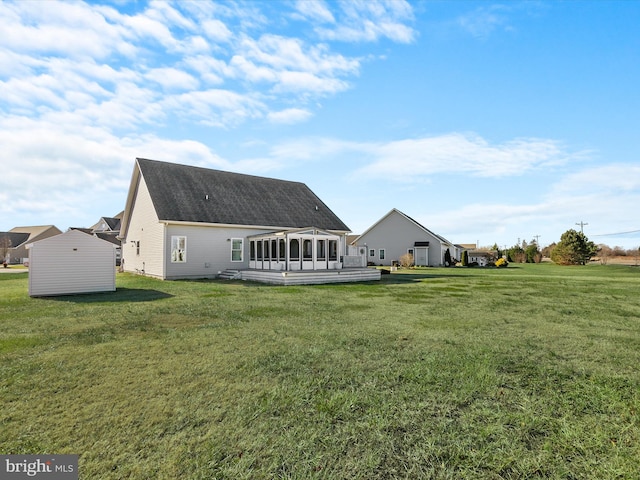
(306, 277)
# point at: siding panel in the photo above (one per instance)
(71, 263)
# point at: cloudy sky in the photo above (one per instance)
(486, 122)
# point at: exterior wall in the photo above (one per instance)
(208, 250)
(396, 235)
(144, 228)
(71, 263)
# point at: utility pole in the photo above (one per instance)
(582, 225)
(537, 238)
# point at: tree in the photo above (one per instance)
(465, 258)
(533, 253)
(5, 245)
(447, 258)
(574, 248)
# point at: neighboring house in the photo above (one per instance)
(482, 257)
(70, 263)
(190, 222)
(397, 234)
(108, 229)
(108, 225)
(17, 239)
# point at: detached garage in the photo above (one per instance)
(69, 263)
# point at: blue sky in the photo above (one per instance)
(485, 121)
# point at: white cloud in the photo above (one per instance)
(172, 79)
(414, 159)
(368, 21)
(69, 168)
(463, 153)
(289, 115)
(215, 107)
(315, 10)
(216, 30)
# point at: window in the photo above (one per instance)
(322, 254)
(307, 249)
(410, 251)
(237, 245)
(259, 250)
(252, 251)
(265, 249)
(382, 254)
(138, 247)
(283, 251)
(333, 250)
(178, 249)
(274, 249)
(372, 253)
(294, 250)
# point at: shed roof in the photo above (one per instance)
(184, 193)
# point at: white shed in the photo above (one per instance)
(69, 263)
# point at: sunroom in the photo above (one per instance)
(290, 250)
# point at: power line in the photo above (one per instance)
(615, 234)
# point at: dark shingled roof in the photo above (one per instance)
(113, 223)
(194, 194)
(15, 238)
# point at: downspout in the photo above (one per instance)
(164, 251)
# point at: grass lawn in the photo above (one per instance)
(526, 372)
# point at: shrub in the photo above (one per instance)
(406, 260)
(501, 263)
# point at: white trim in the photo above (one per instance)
(235, 250)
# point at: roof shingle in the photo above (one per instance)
(195, 194)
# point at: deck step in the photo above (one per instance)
(229, 274)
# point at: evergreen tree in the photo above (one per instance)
(447, 258)
(574, 248)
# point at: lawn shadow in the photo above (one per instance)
(417, 277)
(120, 295)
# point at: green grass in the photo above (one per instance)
(526, 372)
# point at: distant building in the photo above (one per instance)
(15, 241)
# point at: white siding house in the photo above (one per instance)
(69, 263)
(189, 222)
(397, 234)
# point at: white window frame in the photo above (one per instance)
(240, 250)
(382, 253)
(178, 255)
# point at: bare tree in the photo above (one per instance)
(5, 245)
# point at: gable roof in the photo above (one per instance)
(15, 238)
(36, 230)
(182, 193)
(70, 235)
(422, 227)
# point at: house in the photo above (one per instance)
(108, 225)
(190, 222)
(397, 234)
(70, 263)
(15, 241)
(482, 257)
(108, 229)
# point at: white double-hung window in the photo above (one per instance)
(178, 249)
(236, 249)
